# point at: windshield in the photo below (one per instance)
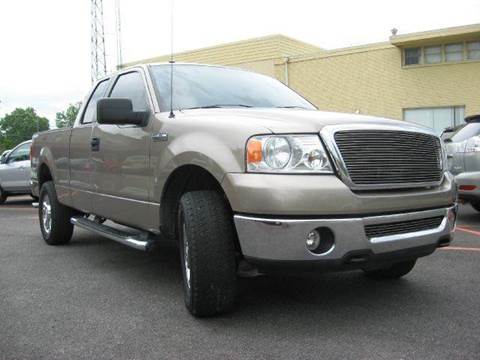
(465, 133)
(199, 86)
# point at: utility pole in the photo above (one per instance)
(97, 43)
(118, 28)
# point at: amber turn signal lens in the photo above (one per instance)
(254, 151)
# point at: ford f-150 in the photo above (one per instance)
(245, 175)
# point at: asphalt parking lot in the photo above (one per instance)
(96, 299)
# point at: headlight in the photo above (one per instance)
(287, 154)
(443, 157)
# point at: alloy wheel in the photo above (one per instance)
(46, 215)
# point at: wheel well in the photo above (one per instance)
(185, 179)
(44, 175)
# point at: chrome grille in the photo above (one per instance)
(390, 157)
(402, 227)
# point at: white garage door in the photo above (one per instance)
(436, 118)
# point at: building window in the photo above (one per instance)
(454, 52)
(433, 54)
(436, 118)
(412, 56)
(437, 54)
(473, 50)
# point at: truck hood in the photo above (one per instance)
(290, 120)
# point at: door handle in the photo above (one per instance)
(160, 137)
(95, 144)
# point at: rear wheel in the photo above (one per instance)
(3, 196)
(206, 237)
(54, 217)
(392, 271)
(476, 205)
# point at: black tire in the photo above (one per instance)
(206, 237)
(476, 205)
(394, 271)
(61, 229)
(3, 196)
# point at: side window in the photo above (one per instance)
(90, 113)
(131, 86)
(21, 153)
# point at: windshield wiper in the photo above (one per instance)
(290, 107)
(217, 106)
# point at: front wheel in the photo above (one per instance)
(206, 237)
(54, 217)
(393, 271)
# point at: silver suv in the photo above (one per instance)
(463, 152)
(15, 172)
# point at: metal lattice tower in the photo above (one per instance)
(118, 33)
(97, 43)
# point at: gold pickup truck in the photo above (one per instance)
(245, 175)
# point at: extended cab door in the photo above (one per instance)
(122, 172)
(81, 165)
(15, 173)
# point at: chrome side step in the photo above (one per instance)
(140, 240)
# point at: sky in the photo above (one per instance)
(45, 44)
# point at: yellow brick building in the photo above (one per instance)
(432, 77)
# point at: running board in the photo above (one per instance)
(140, 240)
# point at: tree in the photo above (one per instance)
(67, 118)
(20, 125)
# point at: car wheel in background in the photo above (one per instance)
(393, 271)
(3, 196)
(206, 239)
(54, 217)
(475, 205)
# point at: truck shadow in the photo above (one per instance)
(330, 297)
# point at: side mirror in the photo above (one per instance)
(3, 160)
(119, 111)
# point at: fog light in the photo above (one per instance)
(313, 240)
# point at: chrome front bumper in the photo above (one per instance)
(278, 239)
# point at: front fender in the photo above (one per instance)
(196, 148)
